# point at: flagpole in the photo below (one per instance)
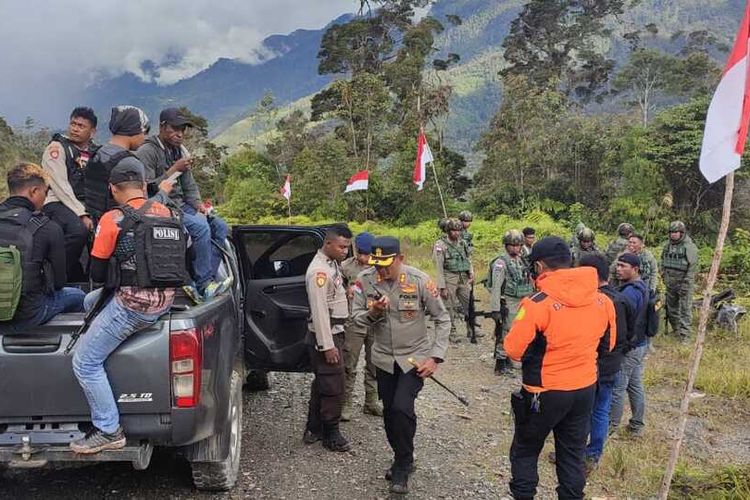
(695, 357)
(434, 171)
(289, 209)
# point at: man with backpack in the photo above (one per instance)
(140, 253)
(32, 265)
(164, 155)
(643, 323)
(65, 160)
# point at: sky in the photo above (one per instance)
(52, 49)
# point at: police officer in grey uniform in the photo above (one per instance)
(508, 281)
(455, 274)
(392, 299)
(329, 311)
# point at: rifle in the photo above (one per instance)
(462, 399)
(472, 315)
(103, 299)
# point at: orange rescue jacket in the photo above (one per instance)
(556, 331)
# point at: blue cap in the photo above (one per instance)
(363, 242)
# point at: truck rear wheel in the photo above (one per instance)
(221, 475)
(257, 380)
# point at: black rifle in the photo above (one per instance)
(500, 322)
(472, 315)
(104, 297)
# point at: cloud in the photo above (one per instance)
(55, 49)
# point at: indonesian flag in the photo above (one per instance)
(424, 156)
(358, 182)
(286, 189)
(729, 113)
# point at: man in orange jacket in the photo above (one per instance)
(557, 332)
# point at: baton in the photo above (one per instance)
(460, 398)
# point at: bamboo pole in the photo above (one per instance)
(289, 209)
(695, 358)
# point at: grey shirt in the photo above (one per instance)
(153, 154)
(400, 332)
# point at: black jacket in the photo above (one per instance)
(609, 362)
(47, 248)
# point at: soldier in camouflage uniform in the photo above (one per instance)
(576, 235)
(466, 219)
(509, 281)
(454, 275)
(586, 244)
(618, 245)
(679, 263)
(357, 336)
(529, 238)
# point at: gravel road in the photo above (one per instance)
(460, 452)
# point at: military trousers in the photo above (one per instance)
(355, 339)
(459, 291)
(327, 390)
(679, 302)
(513, 304)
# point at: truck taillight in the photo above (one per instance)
(185, 351)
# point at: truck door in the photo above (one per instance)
(273, 261)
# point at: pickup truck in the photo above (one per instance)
(179, 383)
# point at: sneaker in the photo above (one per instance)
(454, 339)
(310, 437)
(400, 482)
(193, 294)
(96, 440)
(635, 433)
(215, 288)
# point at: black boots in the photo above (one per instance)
(503, 366)
(333, 440)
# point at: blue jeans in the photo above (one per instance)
(600, 419)
(206, 257)
(65, 300)
(113, 325)
(630, 379)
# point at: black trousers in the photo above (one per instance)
(398, 391)
(567, 414)
(76, 237)
(327, 390)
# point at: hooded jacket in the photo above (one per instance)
(557, 331)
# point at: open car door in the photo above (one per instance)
(273, 261)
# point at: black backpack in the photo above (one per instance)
(96, 183)
(18, 273)
(151, 250)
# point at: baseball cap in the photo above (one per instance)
(629, 258)
(384, 251)
(363, 242)
(549, 247)
(126, 172)
(174, 117)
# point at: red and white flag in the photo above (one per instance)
(424, 156)
(728, 116)
(286, 189)
(358, 182)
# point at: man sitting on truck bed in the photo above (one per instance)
(32, 261)
(144, 290)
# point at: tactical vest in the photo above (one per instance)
(96, 181)
(455, 260)
(517, 280)
(674, 257)
(76, 171)
(17, 229)
(150, 251)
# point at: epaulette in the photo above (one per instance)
(538, 297)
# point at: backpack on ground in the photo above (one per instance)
(18, 273)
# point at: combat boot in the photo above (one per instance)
(310, 437)
(333, 440)
(400, 482)
(499, 366)
(372, 407)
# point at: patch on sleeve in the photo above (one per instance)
(500, 263)
(357, 287)
(520, 314)
(54, 152)
(432, 288)
(321, 279)
(438, 247)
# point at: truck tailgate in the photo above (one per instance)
(37, 380)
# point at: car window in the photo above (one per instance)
(279, 254)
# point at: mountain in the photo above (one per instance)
(478, 40)
(228, 90)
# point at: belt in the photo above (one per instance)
(339, 321)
